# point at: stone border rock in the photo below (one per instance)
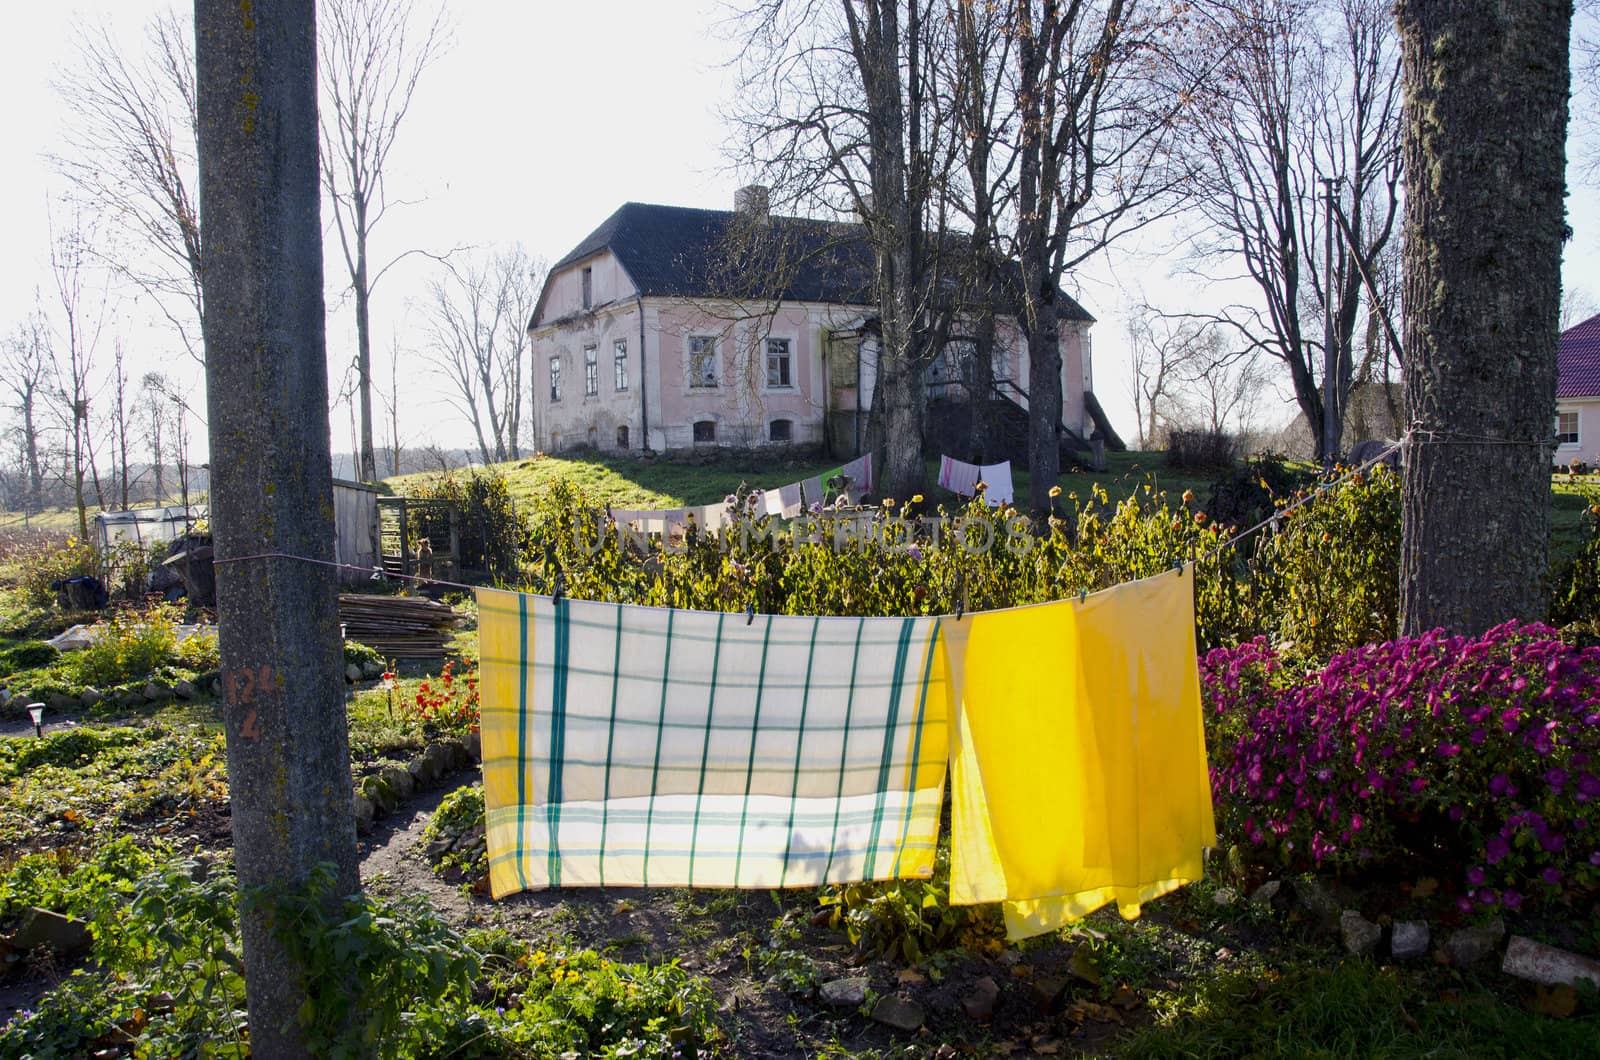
(378, 794)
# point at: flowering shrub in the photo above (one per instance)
(128, 645)
(1482, 753)
(449, 701)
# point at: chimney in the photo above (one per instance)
(752, 201)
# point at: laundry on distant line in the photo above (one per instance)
(638, 746)
(787, 502)
(960, 477)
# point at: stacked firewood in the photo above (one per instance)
(398, 627)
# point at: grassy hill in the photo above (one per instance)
(667, 484)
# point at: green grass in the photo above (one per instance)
(629, 483)
(643, 483)
(1570, 495)
(1353, 1008)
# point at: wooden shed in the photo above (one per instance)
(355, 527)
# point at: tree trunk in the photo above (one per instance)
(30, 435)
(898, 396)
(1485, 138)
(271, 482)
(368, 458)
(1044, 404)
(980, 379)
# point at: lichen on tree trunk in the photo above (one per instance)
(1486, 86)
(271, 484)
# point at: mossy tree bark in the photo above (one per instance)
(271, 478)
(1486, 86)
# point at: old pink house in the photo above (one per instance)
(1578, 394)
(669, 328)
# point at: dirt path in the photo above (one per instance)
(727, 937)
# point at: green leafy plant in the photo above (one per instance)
(491, 532)
(582, 1004)
(372, 963)
(45, 563)
(127, 645)
(68, 881)
(909, 920)
(27, 656)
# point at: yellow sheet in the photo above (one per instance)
(1079, 772)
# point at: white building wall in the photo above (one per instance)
(1587, 447)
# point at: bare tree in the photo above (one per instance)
(1484, 227)
(477, 315)
(391, 406)
(371, 58)
(1221, 389)
(842, 109)
(119, 423)
(133, 159)
(1162, 350)
(82, 319)
(1094, 95)
(1586, 82)
(1306, 100)
(155, 412)
(1577, 305)
(27, 364)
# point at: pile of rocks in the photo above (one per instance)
(468, 840)
(1403, 940)
(59, 935)
(379, 793)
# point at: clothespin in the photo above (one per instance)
(560, 589)
(1083, 595)
(750, 613)
(377, 574)
(1177, 565)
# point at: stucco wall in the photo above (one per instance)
(588, 419)
(609, 283)
(743, 405)
(1588, 447)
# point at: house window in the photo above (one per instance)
(842, 367)
(705, 432)
(1567, 428)
(778, 363)
(555, 379)
(588, 287)
(781, 431)
(622, 436)
(1000, 362)
(620, 356)
(702, 361)
(591, 371)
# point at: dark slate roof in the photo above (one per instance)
(678, 251)
(1578, 360)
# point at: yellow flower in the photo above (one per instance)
(916, 499)
(1188, 496)
(1055, 491)
(888, 502)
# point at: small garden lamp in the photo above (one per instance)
(36, 712)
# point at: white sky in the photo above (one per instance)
(536, 125)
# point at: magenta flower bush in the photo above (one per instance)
(1474, 758)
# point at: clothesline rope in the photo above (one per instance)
(1413, 431)
(1307, 498)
